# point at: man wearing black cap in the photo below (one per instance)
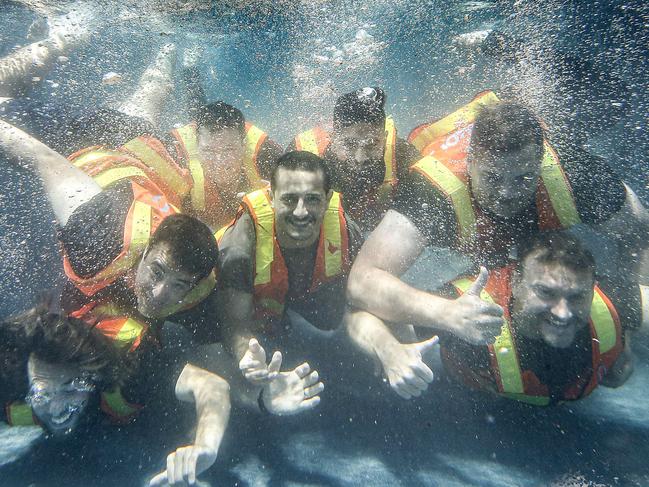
(364, 155)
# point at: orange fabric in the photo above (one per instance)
(499, 288)
(322, 137)
(90, 285)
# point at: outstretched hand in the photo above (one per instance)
(253, 364)
(293, 392)
(472, 319)
(405, 369)
(184, 465)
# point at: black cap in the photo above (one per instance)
(360, 106)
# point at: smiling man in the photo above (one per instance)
(562, 335)
(290, 246)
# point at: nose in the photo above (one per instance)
(361, 155)
(507, 191)
(300, 209)
(561, 311)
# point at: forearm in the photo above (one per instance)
(67, 187)
(391, 299)
(369, 333)
(211, 396)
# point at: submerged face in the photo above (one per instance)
(300, 202)
(221, 152)
(360, 148)
(159, 283)
(505, 184)
(59, 394)
(551, 302)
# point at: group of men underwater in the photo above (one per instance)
(215, 229)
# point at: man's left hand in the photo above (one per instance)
(184, 465)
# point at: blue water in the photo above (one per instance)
(268, 60)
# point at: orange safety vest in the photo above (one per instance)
(317, 139)
(143, 160)
(271, 274)
(444, 145)
(523, 385)
(145, 214)
(112, 403)
(200, 195)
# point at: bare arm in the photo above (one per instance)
(374, 286)
(630, 228)
(211, 395)
(67, 187)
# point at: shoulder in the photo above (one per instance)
(406, 155)
(269, 152)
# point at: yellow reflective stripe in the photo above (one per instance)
(264, 230)
(506, 355)
(603, 323)
(272, 305)
(454, 188)
(253, 135)
(459, 118)
(140, 226)
(218, 235)
(390, 140)
(158, 163)
(534, 400)
(560, 193)
(333, 237)
(189, 138)
(93, 156)
(308, 142)
(117, 404)
(128, 333)
(197, 294)
(109, 176)
(20, 414)
(198, 188)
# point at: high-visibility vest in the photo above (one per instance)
(317, 139)
(143, 160)
(112, 403)
(124, 327)
(444, 165)
(187, 138)
(145, 214)
(523, 385)
(271, 274)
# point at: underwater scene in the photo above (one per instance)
(324, 243)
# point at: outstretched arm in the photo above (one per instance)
(211, 395)
(375, 286)
(67, 187)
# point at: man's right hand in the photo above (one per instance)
(473, 320)
(253, 364)
(405, 369)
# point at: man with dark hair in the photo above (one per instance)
(561, 337)
(481, 196)
(365, 157)
(225, 156)
(290, 247)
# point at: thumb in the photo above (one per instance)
(479, 283)
(256, 350)
(160, 479)
(426, 345)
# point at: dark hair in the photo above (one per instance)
(192, 245)
(560, 247)
(54, 338)
(219, 116)
(506, 127)
(304, 161)
(360, 106)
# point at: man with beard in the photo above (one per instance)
(365, 157)
(561, 337)
(290, 247)
(490, 180)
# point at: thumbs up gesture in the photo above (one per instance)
(472, 319)
(405, 369)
